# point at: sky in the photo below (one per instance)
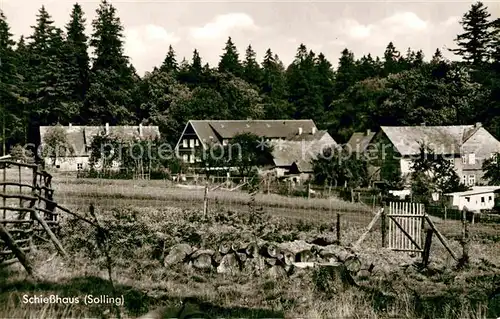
(323, 26)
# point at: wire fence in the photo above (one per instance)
(161, 194)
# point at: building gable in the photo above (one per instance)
(443, 140)
(81, 137)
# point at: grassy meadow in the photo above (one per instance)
(145, 219)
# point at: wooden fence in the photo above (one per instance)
(28, 211)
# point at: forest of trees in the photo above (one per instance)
(48, 77)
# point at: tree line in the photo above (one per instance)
(48, 77)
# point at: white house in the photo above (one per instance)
(80, 139)
(480, 197)
(465, 146)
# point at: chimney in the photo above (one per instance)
(313, 131)
(368, 132)
(107, 128)
(300, 130)
(422, 124)
(478, 125)
(140, 129)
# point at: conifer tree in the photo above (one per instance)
(11, 103)
(437, 57)
(229, 62)
(112, 78)
(304, 92)
(77, 57)
(48, 87)
(170, 63)
(251, 69)
(346, 74)
(274, 88)
(392, 59)
(473, 44)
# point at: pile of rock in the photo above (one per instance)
(276, 259)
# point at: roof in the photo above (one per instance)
(360, 140)
(226, 129)
(286, 153)
(476, 190)
(80, 137)
(440, 139)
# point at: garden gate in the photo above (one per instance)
(405, 223)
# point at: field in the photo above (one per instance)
(146, 219)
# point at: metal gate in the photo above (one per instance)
(405, 221)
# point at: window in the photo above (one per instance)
(224, 142)
(464, 159)
(467, 199)
(472, 158)
(482, 199)
(185, 158)
(191, 143)
(464, 179)
(452, 162)
(79, 166)
(196, 142)
(472, 180)
(184, 143)
(490, 199)
(191, 158)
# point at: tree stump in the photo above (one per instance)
(304, 256)
(224, 248)
(269, 250)
(252, 250)
(287, 257)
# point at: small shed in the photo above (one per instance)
(479, 197)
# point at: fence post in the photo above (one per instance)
(205, 199)
(427, 247)
(383, 227)
(445, 212)
(465, 240)
(338, 228)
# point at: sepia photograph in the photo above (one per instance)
(249, 159)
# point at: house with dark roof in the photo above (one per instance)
(465, 146)
(295, 142)
(80, 139)
(359, 141)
